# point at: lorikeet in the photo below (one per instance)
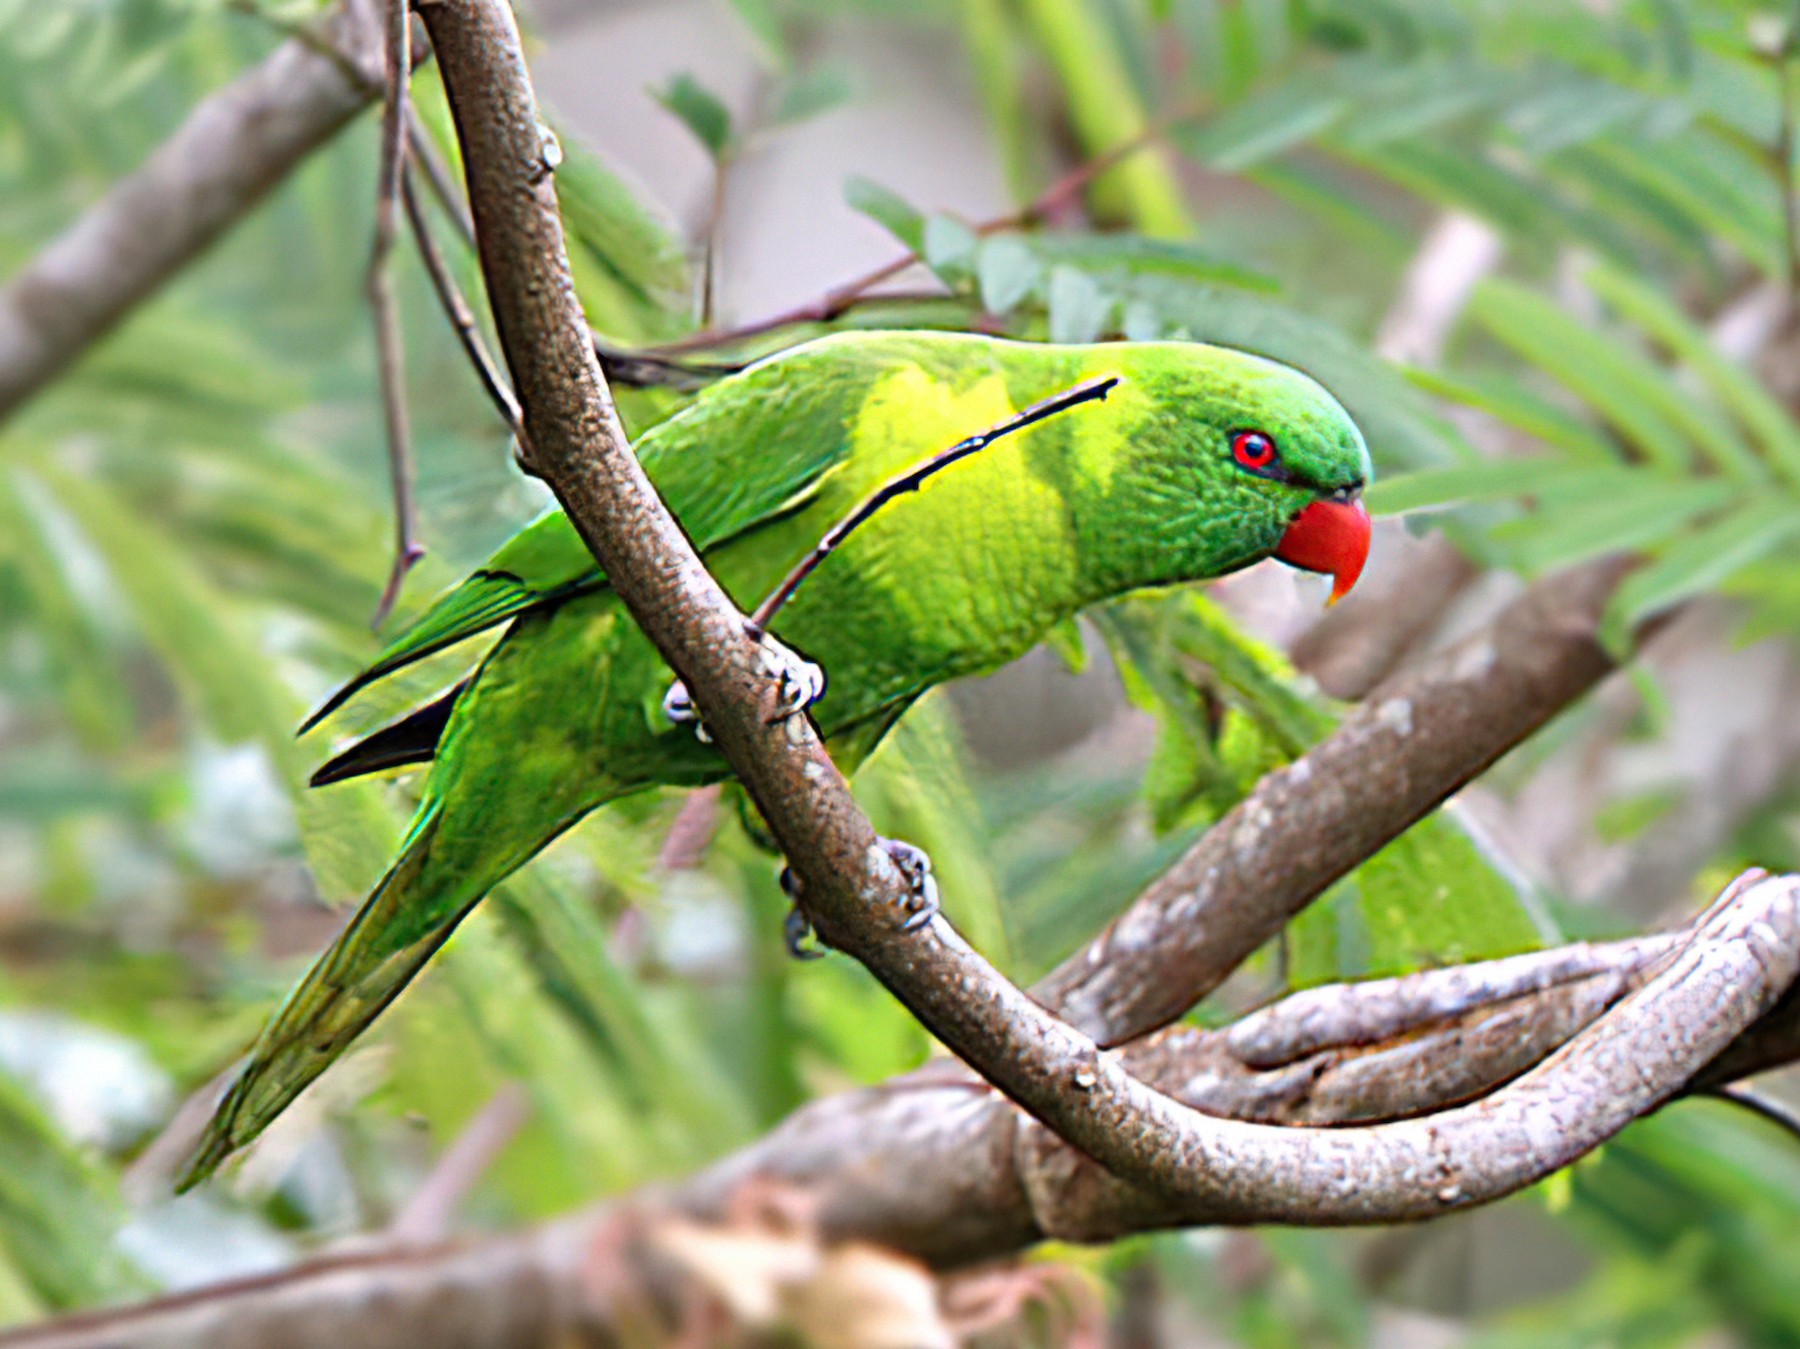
(1201, 461)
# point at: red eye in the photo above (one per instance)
(1253, 450)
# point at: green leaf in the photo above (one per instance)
(1692, 175)
(58, 1215)
(1487, 480)
(1641, 510)
(1578, 111)
(761, 18)
(565, 942)
(1008, 272)
(888, 209)
(700, 112)
(1639, 400)
(227, 680)
(1432, 896)
(1508, 401)
(1137, 256)
(949, 249)
(1734, 386)
(818, 91)
(1422, 97)
(84, 662)
(1704, 561)
(613, 232)
(1270, 124)
(1079, 309)
(1251, 673)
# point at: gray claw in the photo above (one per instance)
(679, 708)
(795, 932)
(798, 926)
(921, 883)
(799, 684)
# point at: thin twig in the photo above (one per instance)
(709, 257)
(1778, 1113)
(833, 304)
(424, 152)
(456, 309)
(837, 301)
(1093, 390)
(398, 65)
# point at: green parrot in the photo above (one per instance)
(1200, 461)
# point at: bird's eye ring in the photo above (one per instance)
(1255, 451)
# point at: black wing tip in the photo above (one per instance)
(413, 739)
(332, 770)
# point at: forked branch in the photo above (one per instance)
(1228, 1169)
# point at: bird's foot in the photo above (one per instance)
(799, 683)
(678, 707)
(921, 902)
(798, 927)
(921, 882)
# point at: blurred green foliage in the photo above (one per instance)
(192, 536)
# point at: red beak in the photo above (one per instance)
(1330, 537)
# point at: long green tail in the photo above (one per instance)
(408, 916)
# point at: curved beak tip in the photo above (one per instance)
(1331, 537)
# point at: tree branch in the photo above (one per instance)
(232, 149)
(1394, 759)
(1201, 1168)
(937, 1166)
(1222, 1170)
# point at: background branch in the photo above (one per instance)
(234, 147)
(379, 285)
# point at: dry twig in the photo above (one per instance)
(456, 309)
(397, 66)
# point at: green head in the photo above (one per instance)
(1236, 458)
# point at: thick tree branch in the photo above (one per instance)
(234, 147)
(938, 1166)
(1201, 1165)
(1400, 754)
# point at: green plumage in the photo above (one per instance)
(564, 713)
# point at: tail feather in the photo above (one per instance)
(397, 930)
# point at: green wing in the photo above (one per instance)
(747, 450)
(543, 563)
